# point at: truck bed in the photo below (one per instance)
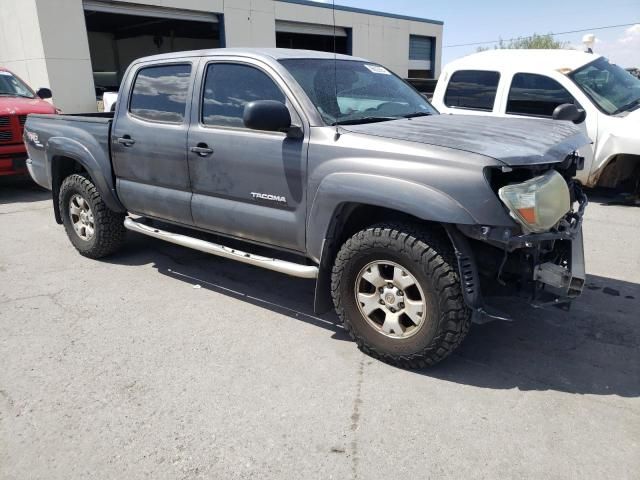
(52, 138)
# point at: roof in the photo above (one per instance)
(361, 10)
(537, 59)
(259, 53)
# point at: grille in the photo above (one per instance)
(5, 135)
(22, 118)
(4, 121)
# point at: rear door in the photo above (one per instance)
(246, 183)
(149, 138)
(470, 92)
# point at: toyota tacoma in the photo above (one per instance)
(411, 223)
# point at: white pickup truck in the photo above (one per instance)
(532, 83)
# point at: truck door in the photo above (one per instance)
(535, 95)
(246, 183)
(149, 138)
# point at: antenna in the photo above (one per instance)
(335, 64)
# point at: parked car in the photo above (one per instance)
(17, 100)
(532, 83)
(409, 221)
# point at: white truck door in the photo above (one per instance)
(535, 95)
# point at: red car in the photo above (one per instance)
(17, 100)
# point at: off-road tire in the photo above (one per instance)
(428, 255)
(109, 225)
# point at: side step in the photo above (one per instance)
(282, 266)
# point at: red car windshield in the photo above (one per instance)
(12, 86)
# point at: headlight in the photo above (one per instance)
(539, 203)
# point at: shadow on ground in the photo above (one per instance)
(21, 190)
(593, 349)
(610, 197)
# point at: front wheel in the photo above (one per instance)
(94, 229)
(397, 290)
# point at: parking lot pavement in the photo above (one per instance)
(162, 362)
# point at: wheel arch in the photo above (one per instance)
(341, 191)
(348, 219)
(66, 157)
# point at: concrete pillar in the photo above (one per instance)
(46, 44)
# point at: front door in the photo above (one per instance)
(534, 95)
(149, 140)
(246, 183)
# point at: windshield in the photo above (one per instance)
(366, 92)
(610, 87)
(12, 86)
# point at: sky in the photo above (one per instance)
(470, 21)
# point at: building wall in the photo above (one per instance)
(45, 42)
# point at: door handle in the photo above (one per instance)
(202, 149)
(126, 140)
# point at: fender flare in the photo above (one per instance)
(92, 158)
(408, 197)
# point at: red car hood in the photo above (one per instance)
(24, 106)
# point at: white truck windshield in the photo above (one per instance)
(610, 87)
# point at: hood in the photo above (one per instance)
(513, 141)
(24, 106)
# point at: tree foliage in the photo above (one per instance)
(534, 41)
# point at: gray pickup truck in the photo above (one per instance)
(411, 223)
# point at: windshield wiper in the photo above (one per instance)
(358, 121)
(417, 114)
(628, 106)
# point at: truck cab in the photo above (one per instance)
(17, 100)
(532, 83)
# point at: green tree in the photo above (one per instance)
(534, 41)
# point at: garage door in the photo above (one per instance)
(149, 11)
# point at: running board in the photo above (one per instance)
(282, 266)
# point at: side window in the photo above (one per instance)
(228, 87)
(537, 95)
(160, 93)
(475, 89)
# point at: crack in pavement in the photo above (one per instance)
(355, 419)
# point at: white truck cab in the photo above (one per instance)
(532, 83)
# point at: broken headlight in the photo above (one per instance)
(537, 204)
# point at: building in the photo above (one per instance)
(80, 48)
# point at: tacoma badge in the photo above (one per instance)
(268, 196)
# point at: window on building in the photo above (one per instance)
(421, 56)
(311, 36)
(160, 93)
(536, 95)
(474, 89)
(229, 87)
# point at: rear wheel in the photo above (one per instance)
(397, 290)
(94, 229)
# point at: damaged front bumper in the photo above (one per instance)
(542, 269)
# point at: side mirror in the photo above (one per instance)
(269, 115)
(44, 93)
(569, 112)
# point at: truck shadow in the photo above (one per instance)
(21, 190)
(592, 349)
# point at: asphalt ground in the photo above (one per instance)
(162, 362)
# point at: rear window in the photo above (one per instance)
(160, 93)
(474, 89)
